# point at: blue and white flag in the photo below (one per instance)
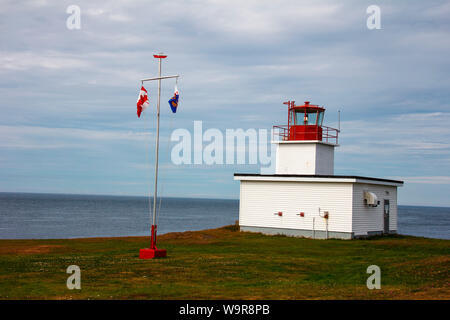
(173, 102)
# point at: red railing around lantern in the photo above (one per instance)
(328, 134)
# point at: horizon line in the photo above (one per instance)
(116, 195)
(174, 197)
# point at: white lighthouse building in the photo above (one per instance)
(304, 197)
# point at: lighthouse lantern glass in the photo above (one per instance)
(312, 118)
(292, 118)
(319, 122)
(307, 118)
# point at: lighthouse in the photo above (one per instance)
(305, 146)
(304, 197)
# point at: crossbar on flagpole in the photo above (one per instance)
(160, 78)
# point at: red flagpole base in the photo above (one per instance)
(152, 253)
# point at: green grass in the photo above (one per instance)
(226, 264)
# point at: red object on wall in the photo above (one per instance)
(280, 214)
(302, 214)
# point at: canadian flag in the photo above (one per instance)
(142, 102)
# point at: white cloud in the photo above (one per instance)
(255, 18)
(119, 17)
(113, 12)
(20, 61)
(38, 3)
(29, 137)
(415, 133)
(427, 40)
(439, 10)
(95, 11)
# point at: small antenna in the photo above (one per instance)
(339, 120)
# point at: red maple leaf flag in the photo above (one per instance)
(142, 102)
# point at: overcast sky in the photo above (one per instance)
(68, 119)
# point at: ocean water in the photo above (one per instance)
(47, 216)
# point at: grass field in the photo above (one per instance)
(226, 264)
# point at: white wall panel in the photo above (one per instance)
(304, 158)
(260, 200)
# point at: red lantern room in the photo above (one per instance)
(305, 124)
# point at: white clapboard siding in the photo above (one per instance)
(367, 218)
(261, 200)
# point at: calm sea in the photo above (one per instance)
(41, 216)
